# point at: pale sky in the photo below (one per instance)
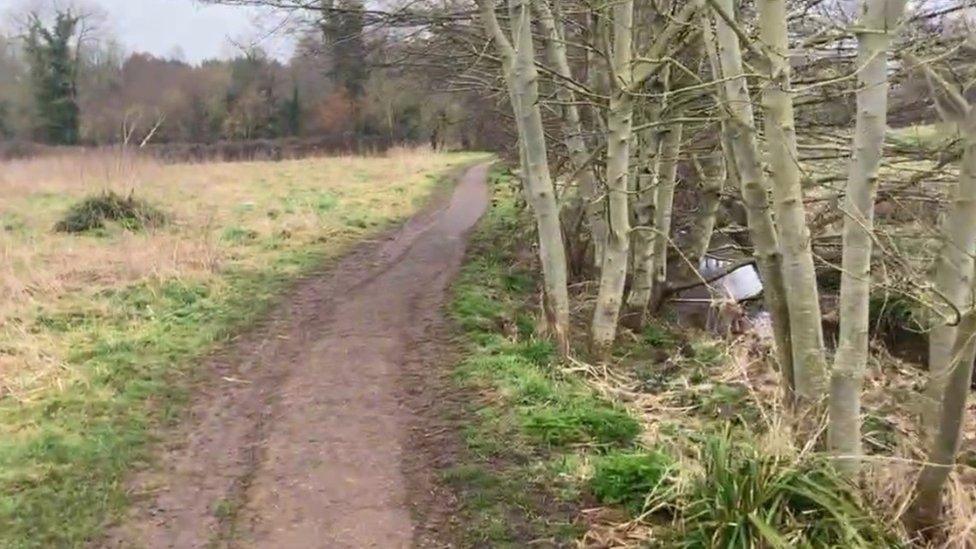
(201, 30)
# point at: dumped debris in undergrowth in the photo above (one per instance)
(93, 211)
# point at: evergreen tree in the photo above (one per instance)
(343, 24)
(6, 130)
(291, 114)
(53, 75)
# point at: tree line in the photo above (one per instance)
(62, 84)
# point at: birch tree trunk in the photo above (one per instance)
(615, 256)
(597, 81)
(753, 186)
(664, 200)
(809, 361)
(644, 216)
(715, 170)
(522, 79)
(878, 22)
(950, 379)
(712, 173)
(927, 508)
(572, 125)
(953, 278)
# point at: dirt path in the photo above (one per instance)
(310, 435)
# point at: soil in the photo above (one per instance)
(325, 426)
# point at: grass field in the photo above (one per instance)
(99, 329)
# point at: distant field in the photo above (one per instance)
(98, 329)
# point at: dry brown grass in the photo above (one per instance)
(223, 215)
(890, 392)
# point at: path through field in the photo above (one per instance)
(307, 435)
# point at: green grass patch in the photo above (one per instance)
(69, 457)
(631, 479)
(744, 497)
(521, 478)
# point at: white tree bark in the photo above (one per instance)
(664, 200)
(878, 22)
(809, 361)
(952, 278)
(754, 188)
(944, 447)
(644, 205)
(572, 127)
(521, 77)
(950, 378)
(619, 123)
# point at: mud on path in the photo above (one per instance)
(320, 425)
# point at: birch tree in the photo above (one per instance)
(954, 263)
(878, 21)
(644, 204)
(619, 121)
(572, 125)
(950, 370)
(799, 276)
(521, 78)
(664, 201)
(745, 149)
(629, 75)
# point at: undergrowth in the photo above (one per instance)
(745, 497)
(543, 445)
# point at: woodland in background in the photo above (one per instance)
(63, 83)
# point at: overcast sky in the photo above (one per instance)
(200, 30)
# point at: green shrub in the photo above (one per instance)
(747, 498)
(892, 312)
(630, 478)
(93, 211)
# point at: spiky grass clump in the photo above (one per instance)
(92, 213)
(745, 497)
